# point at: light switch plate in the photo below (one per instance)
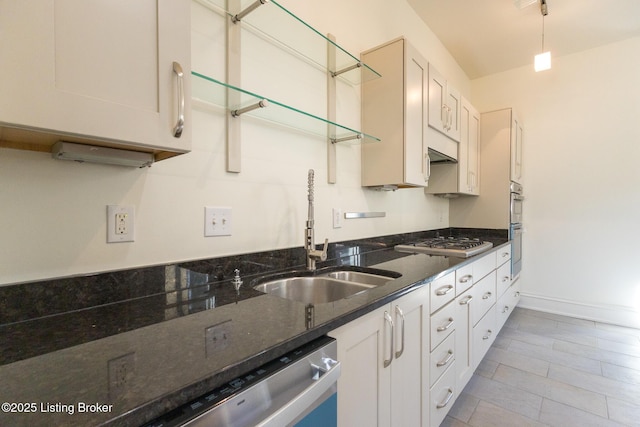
(337, 217)
(217, 221)
(120, 224)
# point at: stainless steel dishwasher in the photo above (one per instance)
(298, 389)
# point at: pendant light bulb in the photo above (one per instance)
(542, 61)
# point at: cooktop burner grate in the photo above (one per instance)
(461, 247)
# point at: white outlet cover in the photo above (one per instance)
(337, 217)
(217, 221)
(120, 223)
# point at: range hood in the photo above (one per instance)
(442, 149)
(437, 157)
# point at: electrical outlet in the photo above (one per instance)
(121, 372)
(217, 337)
(120, 223)
(337, 217)
(217, 221)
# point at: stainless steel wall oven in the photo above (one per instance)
(515, 229)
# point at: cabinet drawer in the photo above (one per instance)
(464, 278)
(484, 296)
(507, 303)
(442, 396)
(503, 278)
(503, 255)
(442, 324)
(443, 290)
(484, 333)
(442, 358)
(484, 266)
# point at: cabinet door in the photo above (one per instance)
(101, 69)
(415, 153)
(516, 149)
(454, 103)
(411, 317)
(473, 151)
(438, 113)
(364, 386)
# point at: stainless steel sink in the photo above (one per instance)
(312, 290)
(359, 277)
(325, 287)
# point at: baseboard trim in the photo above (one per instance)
(616, 315)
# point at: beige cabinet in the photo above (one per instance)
(99, 72)
(462, 177)
(516, 149)
(381, 354)
(445, 105)
(501, 161)
(394, 109)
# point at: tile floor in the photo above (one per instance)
(549, 370)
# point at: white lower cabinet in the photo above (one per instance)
(381, 355)
(405, 363)
(442, 395)
(483, 335)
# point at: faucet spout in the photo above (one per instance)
(313, 254)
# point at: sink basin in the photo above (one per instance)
(359, 277)
(325, 286)
(313, 289)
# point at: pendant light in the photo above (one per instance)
(542, 61)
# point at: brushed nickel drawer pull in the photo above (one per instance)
(466, 301)
(446, 400)
(444, 290)
(486, 337)
(445, 327)
(466, 278)
(445, 361)
(487, 295)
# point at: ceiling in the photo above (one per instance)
(490, 36)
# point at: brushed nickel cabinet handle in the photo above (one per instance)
(465, 278)
(401, 314)
(179, 127)
(486, 337)
(389, 320)
(445, 327)
(466, 300)
(446, 400)
(487, 295)
(444, 290)
(444, 362)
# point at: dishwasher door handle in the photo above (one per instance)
(286, 414)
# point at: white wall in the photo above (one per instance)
(53, 213)
(581, 179)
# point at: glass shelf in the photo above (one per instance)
(279, 26)
(213, 92)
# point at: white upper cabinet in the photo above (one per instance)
(462, 177)
(105, 72)
(444, 105)
(516, 149)
(394, 108)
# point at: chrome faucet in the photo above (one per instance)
(313, 254)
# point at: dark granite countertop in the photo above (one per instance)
(62, 339)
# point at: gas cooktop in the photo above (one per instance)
(460, 247)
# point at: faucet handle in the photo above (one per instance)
(323, 256)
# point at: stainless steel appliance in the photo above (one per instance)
(515, 229)
(297, 389)
(516, 203)
(460, 247)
